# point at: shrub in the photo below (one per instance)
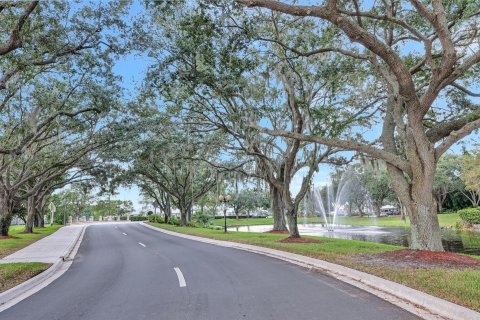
(174, 221)
(155, 218)
(202, 219)
(470, 215)
(138, 218)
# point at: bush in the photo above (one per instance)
(470, 215)
(155, 218)
(202, 219)
(138, 218)
(174, 221)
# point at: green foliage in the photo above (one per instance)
(248, 200)
(174, 221)
(154, 218)
(470, 215)
(139, 218)
(203, 218)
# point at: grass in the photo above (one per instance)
(458, 286)
(445, 220)
(12, 274)
(9, 246)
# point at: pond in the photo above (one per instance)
(453, 240)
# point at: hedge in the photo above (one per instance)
(138, 218)
(470, 215)
(155, 218)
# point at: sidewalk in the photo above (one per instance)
(48, 249)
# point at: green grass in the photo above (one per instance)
(458, 286)
(445, 220)
(332, 248)
(12, 274)
(9, 246)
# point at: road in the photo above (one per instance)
(127, 271)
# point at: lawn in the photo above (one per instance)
(459, 286)
(10, 245)
(446, 220)
(12, 274)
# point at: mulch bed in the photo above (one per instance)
(277, 232)
(299, 240)
(8, 237)
(401, 259)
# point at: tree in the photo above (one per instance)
(416, 131)
(447, 178)
(375, 180)
(470, 174)
(54, 92)
(45, 36)
(228, 82)
(248, 200)
(174, 158)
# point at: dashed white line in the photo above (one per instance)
(124, 233)
(142, 244)
(181, 279)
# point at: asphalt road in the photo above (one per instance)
(127, 271)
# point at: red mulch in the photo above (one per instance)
(299, 240)
(420, 259)
(277, 232)
(8, 237)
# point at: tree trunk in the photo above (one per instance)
(30, 215)
(40, 219)
(183, 217)
(236, 210)
(378, 209)
(5, 213)
(184, 214)
(425, 229)
(360, 209)
(277, 212)
(440, 200)
(292, 223)
(189, 213)
(167, 211)
(417, 197)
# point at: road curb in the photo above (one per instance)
(42, 277)
(417, 302)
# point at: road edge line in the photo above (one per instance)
(419, 303)
(22, 291)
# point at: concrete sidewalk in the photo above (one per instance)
(48, 249)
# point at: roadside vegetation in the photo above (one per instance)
(12, 274)
(445, 220)
(461, 286)
(18, 240)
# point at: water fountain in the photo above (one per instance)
(334, 202)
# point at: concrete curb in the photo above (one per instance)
(417, 302)
(42, 277)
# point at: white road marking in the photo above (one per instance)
(142, 244)
(181, 279)
(124, 233)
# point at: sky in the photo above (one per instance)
(132, 68)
